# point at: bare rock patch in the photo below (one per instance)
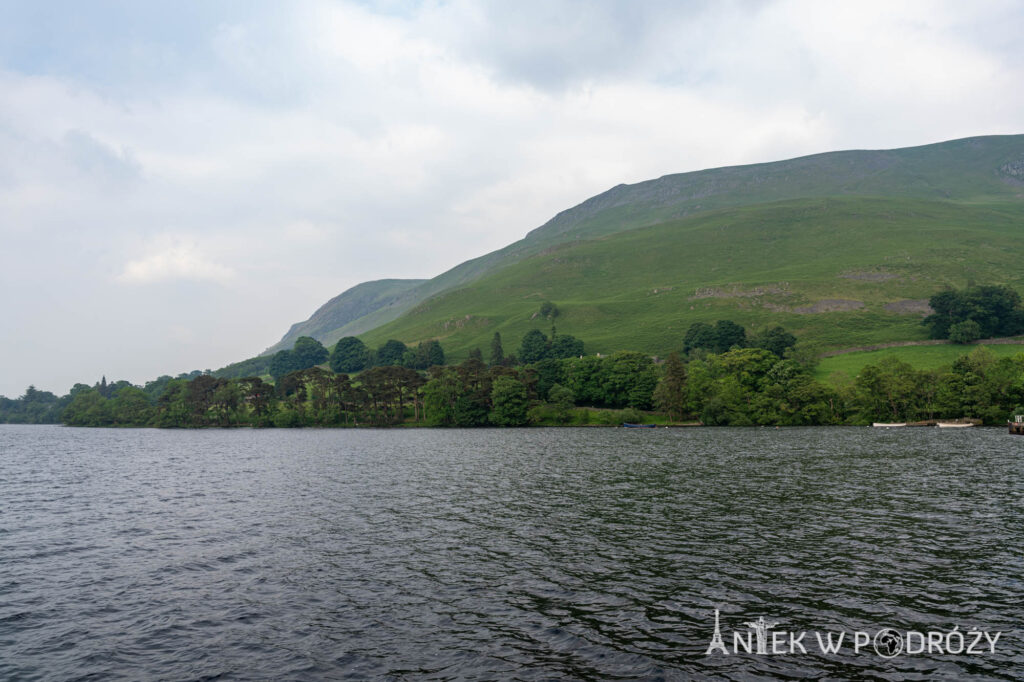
(910, 306)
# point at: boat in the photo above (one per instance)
(884, 425)
(943, 425)
(627, 425)
(1016, 427)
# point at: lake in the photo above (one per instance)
(509, 554)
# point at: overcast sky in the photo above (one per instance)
(181, 181)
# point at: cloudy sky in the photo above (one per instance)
(181, 181)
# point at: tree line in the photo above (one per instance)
(758, 380)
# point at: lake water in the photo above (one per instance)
(504, 554)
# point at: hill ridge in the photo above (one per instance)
(968, 169)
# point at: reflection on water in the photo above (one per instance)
(526, 554)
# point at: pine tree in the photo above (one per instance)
(497, 353)
(670, 395)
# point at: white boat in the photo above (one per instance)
(941, 425)
(883, 425)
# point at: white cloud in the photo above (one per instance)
(289, 152)
(174, 259)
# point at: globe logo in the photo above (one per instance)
(888, 643)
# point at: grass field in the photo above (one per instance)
(760, 266)
(921, 357)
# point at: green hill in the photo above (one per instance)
(843, 248)
(349, 313)
(840, 271)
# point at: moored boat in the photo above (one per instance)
(943, 425)
(1016, 427)
(885, 425)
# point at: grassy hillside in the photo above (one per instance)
(841, 271)
(341, 315)
(984, 170)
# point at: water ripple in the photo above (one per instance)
(500, 554)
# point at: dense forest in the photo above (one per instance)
(722, 376)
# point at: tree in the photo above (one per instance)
(88, 408)
(996, 310)
(497, 354)
(282, 363)
(699, 335)
(889, 390)
(308, 352)
(508, 397)
(427, 354)
(439, 397)
(534, 347)
(729, 334)
(964, 332)
(391, 353)
(258, 395)
(131, 407)
(435, 353)
(670, 394)
(628, 380)
(548, 310)
(349, 355)
(548, 373)
(777, 340)
(566, 346)
(562, 399)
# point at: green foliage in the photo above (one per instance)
(728, 335)
(670, 393)
(994, 310)
(777, 340)
(548, 372)
(391, 353)
(440, 396)
(700, 335)
(508, 400)
(131, 407)
(88, 408)
(282, 363)
(534, 347)
(744, 386)
(349, 355)
(427, 354)
(34, 407)
(725, 334)
(471, 410)
(584, 377)
(565, 346)
(308, 352)
(562, 401)
(629, 379)
(497, 352)
(964, 332)
(891, 391)
(548, 310)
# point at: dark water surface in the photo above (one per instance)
(502, 554)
